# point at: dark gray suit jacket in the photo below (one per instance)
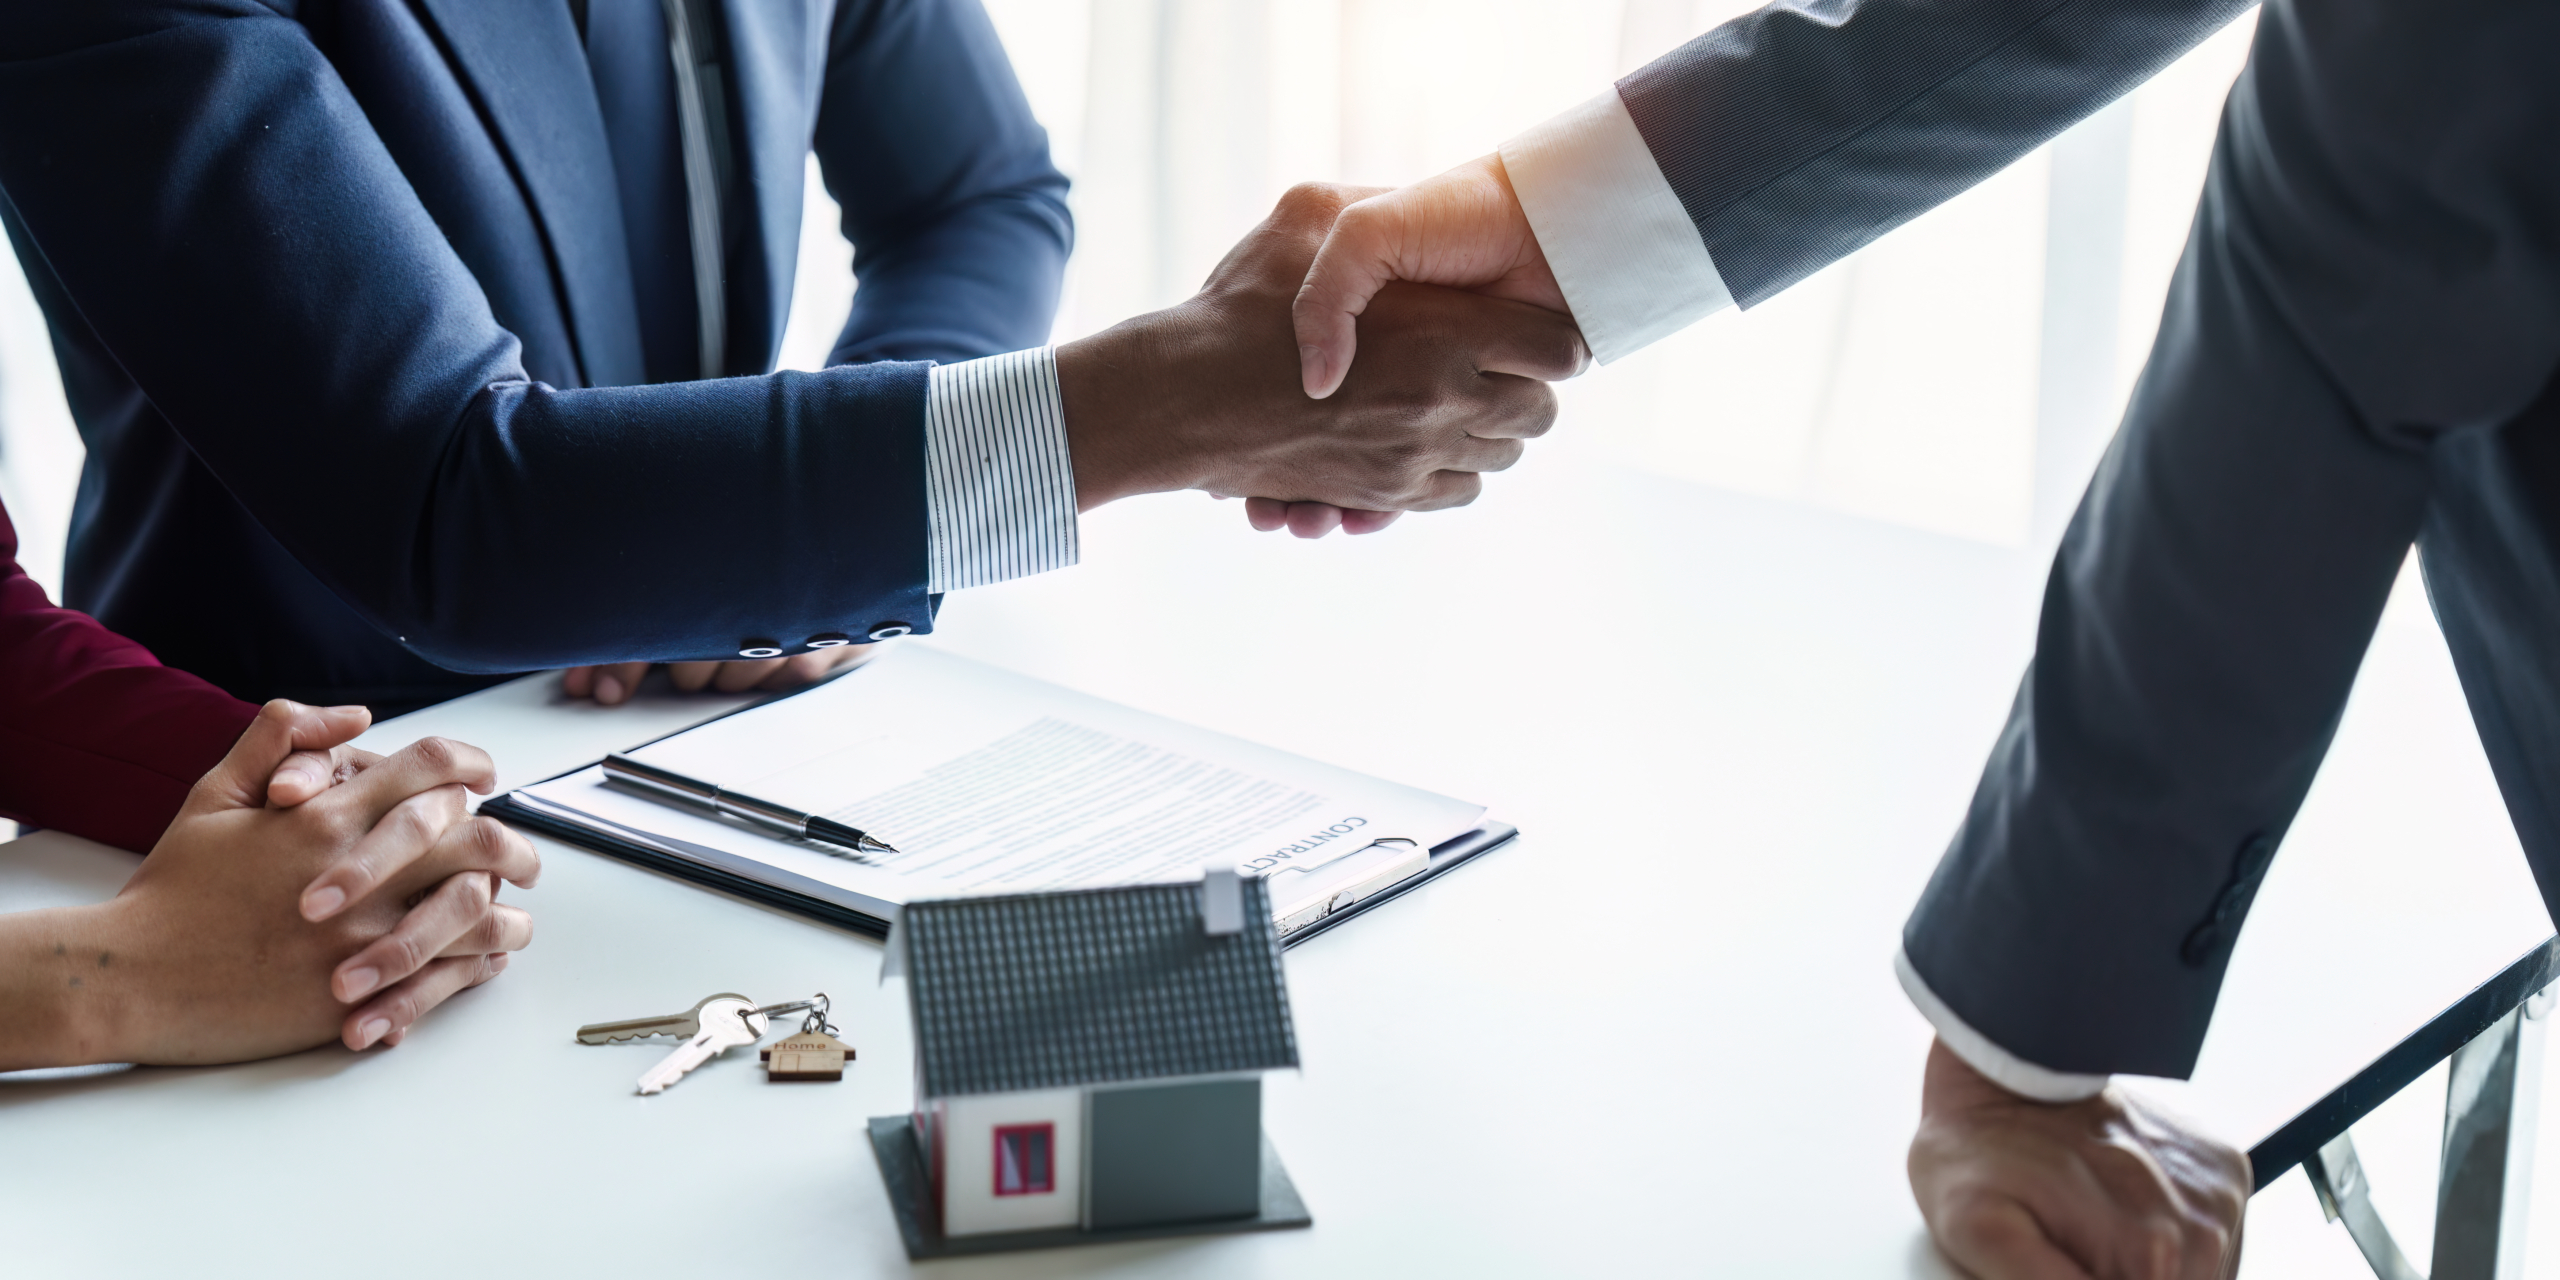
(2355, 354)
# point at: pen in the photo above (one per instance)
(666, 784)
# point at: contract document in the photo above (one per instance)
(991, 782)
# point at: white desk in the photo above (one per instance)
(1658, 1036)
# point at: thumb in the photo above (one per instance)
(282, 728)
(1356, 260)
(1463, 228)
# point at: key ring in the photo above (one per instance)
(817, 1020)
(817, 1007)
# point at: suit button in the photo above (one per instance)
(890, 630)
(759, 647)
(829, 640)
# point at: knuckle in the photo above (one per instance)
(404, 1007)
(1361, 219)
(1380, 495)
(1563, 350)
(489, 839)
(1965, 1220)
(2216, 1243)
(438, 755)
(1538, 414)
(416, 820)
(340, 827)
(1311, 198)
(482, 937)
(2159, 1248)
(404, 952)
(1976, 1235)
(1405, 454)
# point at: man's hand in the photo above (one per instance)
(251, 927)
(1463, 228)
(614, 683)
(1205, 395)
(2107, 1188)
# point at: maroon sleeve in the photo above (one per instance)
(96, 737)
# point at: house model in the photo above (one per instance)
(1089, 1066)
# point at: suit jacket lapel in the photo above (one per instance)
(524, 64)
(777, 61)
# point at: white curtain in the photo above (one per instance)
(1958, 376)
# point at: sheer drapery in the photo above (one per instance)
(1960, 375)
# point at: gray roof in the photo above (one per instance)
(1057, 990)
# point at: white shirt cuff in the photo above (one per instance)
(2005, 1069)
(1629, 260)
(999, 490)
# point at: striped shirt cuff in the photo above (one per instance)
(1000, 494)
(2005, 1069)
(1622, 247)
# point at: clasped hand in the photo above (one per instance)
(307, 891)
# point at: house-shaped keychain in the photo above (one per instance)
(1089, 1067)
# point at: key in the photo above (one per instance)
(683, 1026)
(727, 1022)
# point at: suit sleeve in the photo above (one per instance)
(96, 737)
(232, 228)
(958, 220)
(1791, 137)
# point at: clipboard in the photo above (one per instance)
(1443, 858)
(1006, 782)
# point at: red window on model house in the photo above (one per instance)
(1023, 1159)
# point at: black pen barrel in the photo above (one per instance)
(834, 832)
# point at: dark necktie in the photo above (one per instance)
(636, 88)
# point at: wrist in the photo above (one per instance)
(60, 1004)
(1950, 1084)
(1118, 392)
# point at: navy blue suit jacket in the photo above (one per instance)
(344, 312)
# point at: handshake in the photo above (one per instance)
(1458, 325)
(1249, 390)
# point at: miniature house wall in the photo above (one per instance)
(1008, 1161)
(1094, 1059)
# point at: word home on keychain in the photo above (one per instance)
(812, 1054)
(809, 1055)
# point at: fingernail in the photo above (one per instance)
(372, 1030)
(1311, 366)
(323, 902)
(608, 690)
(302, 776)
(359, 981)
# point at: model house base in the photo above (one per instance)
(902, 1173)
